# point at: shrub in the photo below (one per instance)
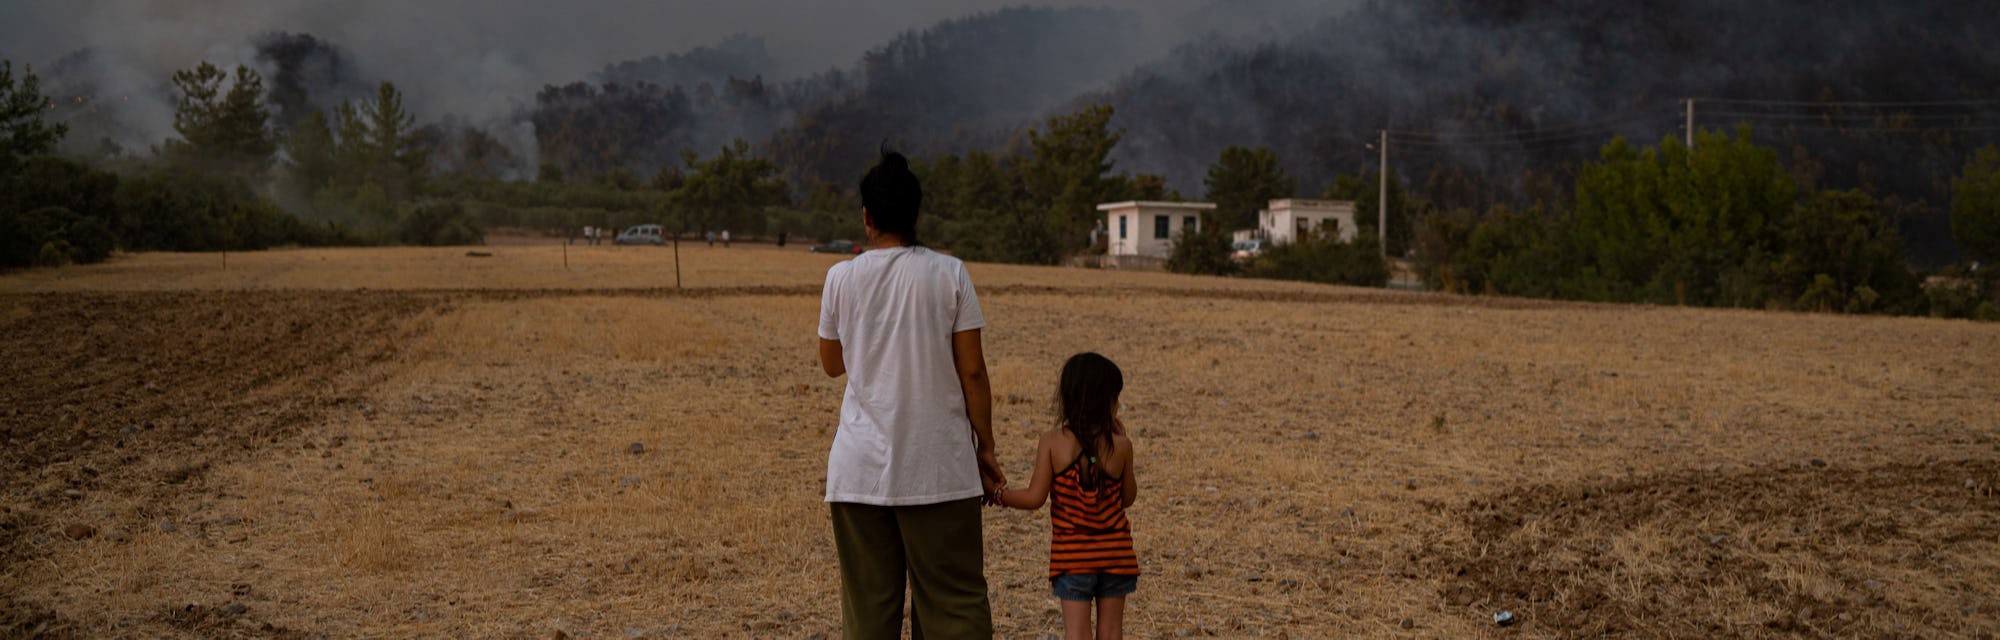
(439, 224)
(1201, 252)
(1357, 263)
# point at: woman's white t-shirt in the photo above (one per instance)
(904, 438)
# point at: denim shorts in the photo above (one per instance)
(1085, 587)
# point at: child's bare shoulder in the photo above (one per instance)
(1054, 438)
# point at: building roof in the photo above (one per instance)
(1153, 204)
(1301, 203)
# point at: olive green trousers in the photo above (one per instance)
(937, 550)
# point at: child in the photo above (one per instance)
(1083, 468)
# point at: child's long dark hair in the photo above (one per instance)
(1084, 402)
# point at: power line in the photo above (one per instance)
(1618, 120)
(1878, 104)
(1839, 116)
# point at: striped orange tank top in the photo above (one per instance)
(1089, 532)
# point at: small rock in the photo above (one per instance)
(1310, 435)
(635, 448)
(79, 531)
(235, 608)
(1872, 585)
(1503, 618)
(73, 494)
(559, 635)
(115, 536)
(168, 526)
(817, 635)
(1844, 617)
(1818, 462)
(628, 481)
(1191, 571)
(1717, 539)
(1253, 577)
(1409, 624)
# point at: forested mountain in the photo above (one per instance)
(1488, 101)
(1569, 74)
(965, 83)
(737, 56)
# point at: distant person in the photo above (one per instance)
(711, 238)
(781, 239)
(1083, 469)
(725, 238)
(914, 450)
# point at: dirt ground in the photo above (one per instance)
(420, 443)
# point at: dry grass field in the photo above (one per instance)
(409, 442)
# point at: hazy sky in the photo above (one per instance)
(557, 40)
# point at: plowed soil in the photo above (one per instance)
(417, 443)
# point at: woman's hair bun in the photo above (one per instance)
(892, 195)
(894, 161)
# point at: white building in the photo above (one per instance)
(1142, 231)
(1292, 220)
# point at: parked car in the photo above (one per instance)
(1244, 250)
(642, 234)
(838, 246)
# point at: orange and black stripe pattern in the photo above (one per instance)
(1089, 532)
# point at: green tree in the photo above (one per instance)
(1838, 248)
(395, 158)
(311, 153)
(1975, 207)
(1067, 174)
(1366, 193)
(221, 131)
(22, 131)
(1664, 225)
(728, 191)
(1243, 181)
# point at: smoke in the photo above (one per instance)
(482, 60)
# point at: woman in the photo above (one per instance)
(914, 451)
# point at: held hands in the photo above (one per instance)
(990, 474)
(991, 479)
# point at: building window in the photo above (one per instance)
(1189, 225)
(1121, 227)
(1160, 227)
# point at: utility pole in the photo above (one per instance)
(1690, 123)
(1382, 199)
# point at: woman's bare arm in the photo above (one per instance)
(830, 358)
(970, 359)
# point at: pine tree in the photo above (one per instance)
(1243, 181)
(312, 152)
(225, 132)
(22, 132)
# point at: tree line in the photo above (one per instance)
(1724, 223)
